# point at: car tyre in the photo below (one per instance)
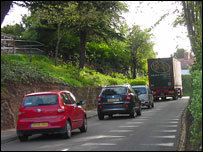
(23, 138)
(152, 105)
(84, 126)
(139, 111)
(100, 116)
(67, 133)
(132, 114)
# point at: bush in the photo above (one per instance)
(195, 107)
(18, 68)
(187, 85)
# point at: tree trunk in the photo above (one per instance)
(5, 7)
(135, 68)
(58, 42)
(189, 25)
(82, 49)
(134, 61)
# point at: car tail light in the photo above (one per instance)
(99, 99)
(128, 97)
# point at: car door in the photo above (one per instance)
(78, 110)
(69, 109)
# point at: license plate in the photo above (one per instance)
(113, 99)
(33, 125)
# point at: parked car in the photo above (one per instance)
(145, 95)
(118, 99)
(50, 112)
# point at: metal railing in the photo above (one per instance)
(11, 46)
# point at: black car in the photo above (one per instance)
(118, 99)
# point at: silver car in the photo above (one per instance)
(145, 95)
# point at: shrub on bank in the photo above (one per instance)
(195, 107)
(19, 69)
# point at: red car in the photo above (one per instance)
(50, 112)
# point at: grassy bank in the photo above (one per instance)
(19, 69)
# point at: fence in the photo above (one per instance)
(11, 46)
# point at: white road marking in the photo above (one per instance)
(135, 122)
(172, 122)
(160, 144)
(173, 136)
(98, 144)
(65, 150)
(99, 137)
(169, 125)
(167, 131)
(128, 126)
(120, 130)
(174, 119)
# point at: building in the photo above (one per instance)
(186, 62)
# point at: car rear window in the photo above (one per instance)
(114, 91)
(140, 90)
(40, 100)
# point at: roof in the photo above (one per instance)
(48, 92)
(137, 86)
(124, 85)
(186, 63)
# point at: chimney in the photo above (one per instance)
(186, 55)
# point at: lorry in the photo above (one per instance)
(165, 78)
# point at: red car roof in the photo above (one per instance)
(39, 93)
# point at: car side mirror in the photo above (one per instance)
(81, 103)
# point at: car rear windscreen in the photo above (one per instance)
(114, 91)
(40, 100)
(140, 90)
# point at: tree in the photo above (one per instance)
(179, 53)
(13, 30)
(5, 7)
(86, 18)
(99, 18)
(60, 15)
(141, 48)
(192, 17)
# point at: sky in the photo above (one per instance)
(166, 38)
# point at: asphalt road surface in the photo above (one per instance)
(157, 129)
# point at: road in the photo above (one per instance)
(157, 129)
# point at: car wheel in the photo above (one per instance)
(23, 138)
(132, 114)
(67, 133)
(110, 116)
(100, 116)
(139, 111)
(84, 126)
(152, 105)
(148, 106)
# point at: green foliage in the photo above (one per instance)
(19, 72)
(14, 31)
(139, 81)
(187, 85)
(195, 108)
(141, 49)
(18, 69)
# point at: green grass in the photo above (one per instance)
(18, 68)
